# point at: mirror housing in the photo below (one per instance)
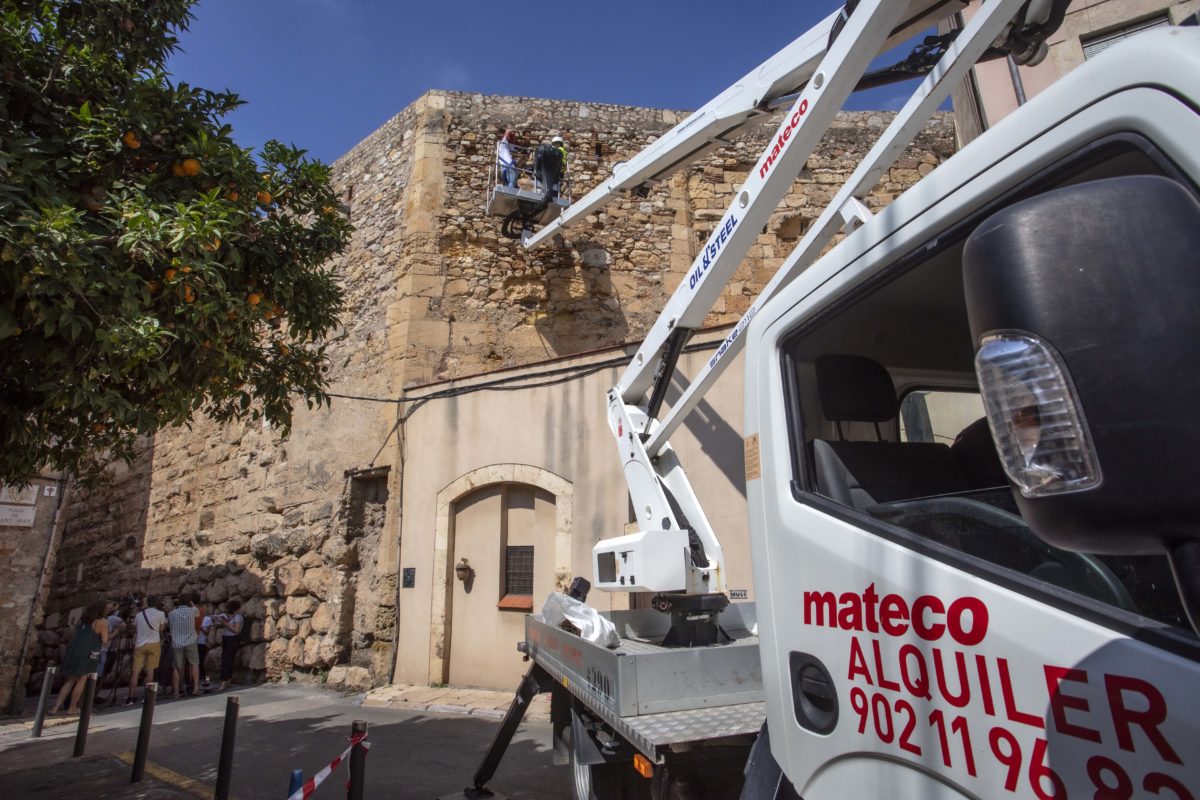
(1104, 278)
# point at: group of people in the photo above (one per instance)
(549, 163)
(170, 647)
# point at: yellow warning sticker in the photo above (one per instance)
(753, 465)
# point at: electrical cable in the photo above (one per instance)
(513, 383)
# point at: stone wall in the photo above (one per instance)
(28, 517)
(305, 531)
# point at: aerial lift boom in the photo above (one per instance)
(675, 550)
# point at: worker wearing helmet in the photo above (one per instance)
(561, 146)
(549, 165)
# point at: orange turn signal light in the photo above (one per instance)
(643, 766)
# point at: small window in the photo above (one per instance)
(934, 415)
(1096, 44)
(518, 578)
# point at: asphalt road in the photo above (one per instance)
(281, 728)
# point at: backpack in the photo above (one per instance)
(243, 636)
(548, 156)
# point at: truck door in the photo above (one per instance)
(918, 640)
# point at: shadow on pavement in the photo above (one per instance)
(415, 756)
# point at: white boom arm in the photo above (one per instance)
(755, 95)
(675, 548)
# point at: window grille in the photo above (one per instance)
(1095, 45)
(518, 570)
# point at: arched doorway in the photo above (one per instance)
(512, 524)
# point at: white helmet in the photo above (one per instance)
(557, 140)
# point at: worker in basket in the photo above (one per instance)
(505, 163)
(549, 164)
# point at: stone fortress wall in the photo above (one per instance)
(304, 531)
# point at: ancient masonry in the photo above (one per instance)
(304, 531)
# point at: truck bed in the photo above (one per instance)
(655, 696)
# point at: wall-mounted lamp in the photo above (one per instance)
(463, 571)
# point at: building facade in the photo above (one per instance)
(467, 426)
(995, 89)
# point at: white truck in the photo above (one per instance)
(970, 454)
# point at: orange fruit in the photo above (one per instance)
(185, 270)
(188, 295)
(170, 273)
(277, 310)
(254, 298)
(214, 245)
(264, 197)
(327, 210)
(232, 196)
(131, 140)
(153, 287)
(191, 167)
(177, 170)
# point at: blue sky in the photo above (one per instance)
(323, 74)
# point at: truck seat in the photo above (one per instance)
(861, 474)
(976, 451)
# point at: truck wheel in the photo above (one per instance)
(596, 781)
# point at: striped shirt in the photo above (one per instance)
(182, 622)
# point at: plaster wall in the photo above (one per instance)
(561, 429)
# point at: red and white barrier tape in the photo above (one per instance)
(310, 786)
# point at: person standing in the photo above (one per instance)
(114, 621)
(504, 158)
(83, 655)
(182, 622)
(202, 644)
(548, 167)
(230, 624)
(147, 644)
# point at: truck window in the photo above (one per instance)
(922, 469)
(937, 415)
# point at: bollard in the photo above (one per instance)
(143, 740)
(296, 783)
(85, 715)
(40, 717)
(358, 761)
(225, 767)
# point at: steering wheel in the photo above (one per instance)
(1078, 572)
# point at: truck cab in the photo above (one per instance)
(919, 634)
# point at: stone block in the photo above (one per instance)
(322, 619)
(295, 651)
(258, 657)
(340, 553)
(310, 560)
(350, 679)
(310, 655)
(289, 578)
(287, 627)
(317, 580)
(302, 606)
(267, 546)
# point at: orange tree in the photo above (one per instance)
(150, 269)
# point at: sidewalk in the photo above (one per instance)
(426, 742)
(485, 703)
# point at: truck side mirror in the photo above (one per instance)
(1084, 304)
